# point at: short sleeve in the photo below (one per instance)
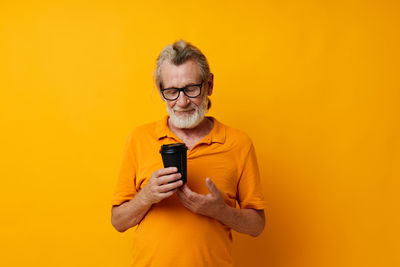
(250, 194)
(125, 188)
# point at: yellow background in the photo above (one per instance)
(315, 84)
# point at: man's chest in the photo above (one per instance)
(212, 161)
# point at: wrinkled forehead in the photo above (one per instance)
(180, 75)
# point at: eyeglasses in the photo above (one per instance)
(191, 91)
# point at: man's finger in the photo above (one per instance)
(165, 171)
(211, 187)
(186, 190)
(167, 194)
(189, 194)
(168, 187)
(182, 196)
(168, 178)
(186, 202)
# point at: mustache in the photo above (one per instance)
(184, 109)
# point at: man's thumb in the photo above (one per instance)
(211, 186)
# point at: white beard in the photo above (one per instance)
(187, 121)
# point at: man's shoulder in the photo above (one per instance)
(147, 130)
(147, 127)
(235, 135)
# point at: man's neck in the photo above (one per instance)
(197, 132)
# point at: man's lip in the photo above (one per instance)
(190, 110)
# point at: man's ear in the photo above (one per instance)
(210, 84)
(159, 91)
(162, 98)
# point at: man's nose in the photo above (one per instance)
(182, 100)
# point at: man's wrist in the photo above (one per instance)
(222, 213)
(143, 199)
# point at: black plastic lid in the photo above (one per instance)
(173, 148)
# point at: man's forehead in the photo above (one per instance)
(178, 75)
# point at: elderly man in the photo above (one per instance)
(187, 224)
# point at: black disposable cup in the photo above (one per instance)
(174, 155)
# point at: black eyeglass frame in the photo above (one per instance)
(200, 85)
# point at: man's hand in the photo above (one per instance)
(130, 213)
(209, 205)
(247, 221)
(158, 186)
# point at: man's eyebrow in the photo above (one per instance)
(189, 84)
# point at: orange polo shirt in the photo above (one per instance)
(170, 234)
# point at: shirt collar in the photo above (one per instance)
(162, 129)
(216, 135)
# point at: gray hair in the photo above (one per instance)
(178, 53)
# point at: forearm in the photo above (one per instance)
(129, 213)
(247, 221)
